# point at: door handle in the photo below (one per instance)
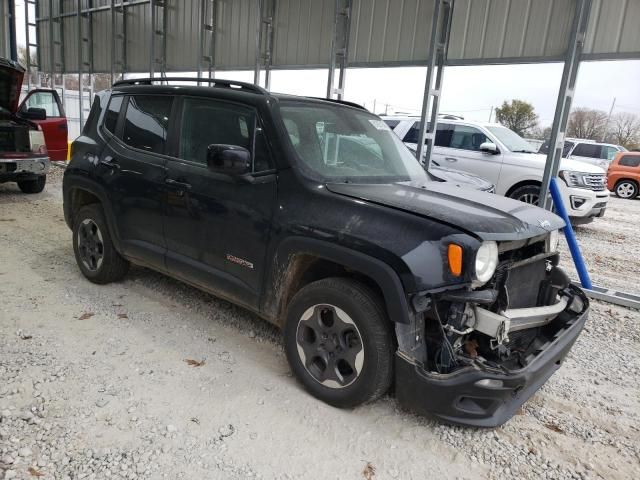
(450, 159)
(176, 184)
(110, 164)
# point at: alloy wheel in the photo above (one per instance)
(90, 245)
(625, 190)
(330, 346)
(531, 198)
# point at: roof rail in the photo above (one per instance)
(213, 82)
(342, 102)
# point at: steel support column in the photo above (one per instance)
(438, 45)
(264, 41)
(339, 48)
(207, 35)
(565, 97)
(13, 45)
(31, 42)
(80, 41)
(158, 31)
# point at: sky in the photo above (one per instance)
(468, 91)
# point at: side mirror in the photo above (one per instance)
(489, 147)
(228, 159)
(34, 113)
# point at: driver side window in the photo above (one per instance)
(45, 100)
(467, 138)
(206, 122)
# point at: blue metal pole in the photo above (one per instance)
(578, 261)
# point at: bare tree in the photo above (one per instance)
(586, 123)
(624, 129)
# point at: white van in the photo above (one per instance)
(505, 159)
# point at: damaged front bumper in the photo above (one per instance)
(485, 395)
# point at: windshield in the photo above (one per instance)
(512, 140)
(347, 145)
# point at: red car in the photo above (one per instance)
(30, 132)
(54, 121)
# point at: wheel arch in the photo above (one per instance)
(522, 183)
(300, 261)
(83, 192)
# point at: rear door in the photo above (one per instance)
(54, 127)
(217, 227)
(458, 147)
(133, 169)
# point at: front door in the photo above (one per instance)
(134, 171)
(54, 127)
(217, 227)
(460, 149)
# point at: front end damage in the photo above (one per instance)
(474, 356)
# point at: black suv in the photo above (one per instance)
(314, 215)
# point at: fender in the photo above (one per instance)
(83, 183)
(387, 279)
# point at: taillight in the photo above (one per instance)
(36, 139)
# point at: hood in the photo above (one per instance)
(565, 163)
(459, 178)
(485, 215)
(11, 75)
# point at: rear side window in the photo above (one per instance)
(111, 115)
(629, 161)
(147, 121)
(590, 150)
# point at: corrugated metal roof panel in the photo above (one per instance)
(383, 32)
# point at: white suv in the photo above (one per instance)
(589, 151)
(505, 159)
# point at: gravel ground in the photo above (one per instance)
(94, 381)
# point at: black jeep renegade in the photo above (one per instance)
(314, 215)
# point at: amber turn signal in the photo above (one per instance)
(454, 255)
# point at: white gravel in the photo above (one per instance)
(94, 383)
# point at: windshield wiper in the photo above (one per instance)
(523, 151)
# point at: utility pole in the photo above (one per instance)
(374, 106)
(606, 125)
(490, 113)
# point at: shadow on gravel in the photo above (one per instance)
(193, 299)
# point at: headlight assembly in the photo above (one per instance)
(573, 179)
(486, 261)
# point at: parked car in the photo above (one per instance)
(499, 155)
(54, 125)
(599, 154)
(23, 153)
(376, 275)
(623, 176)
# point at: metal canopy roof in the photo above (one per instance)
(382, 33)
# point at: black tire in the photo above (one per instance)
(33, 186)
(95, 254)
(365, 310)
(627, 189)
(527, 194)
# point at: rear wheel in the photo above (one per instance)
(626, 189)
(338, 341)
(527, 194)
(96, 256)
(33, 186)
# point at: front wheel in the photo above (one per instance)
(339, 343)
(33, 186)
(626, 189)
(527, 194)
